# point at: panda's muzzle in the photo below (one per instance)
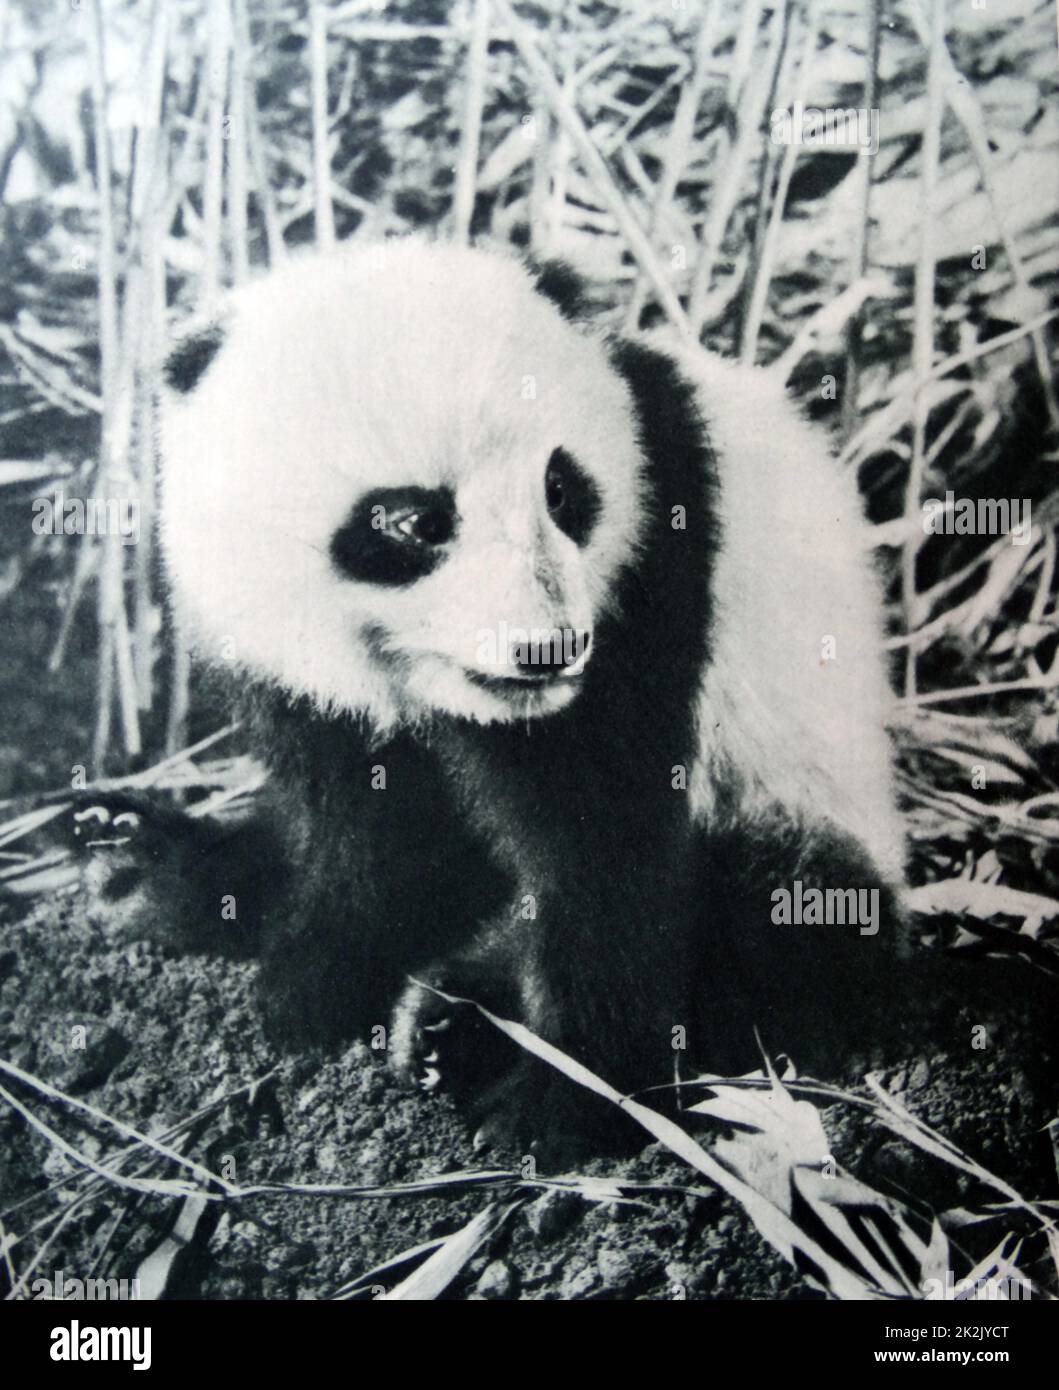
(533, 664)
(563, 654)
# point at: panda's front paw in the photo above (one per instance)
(437, 1044)
(442, 1047)
(114, 847)
(154, 870)
(511, 1100)
(98, 825)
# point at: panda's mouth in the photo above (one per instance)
(520, 687)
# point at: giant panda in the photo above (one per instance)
(564, 653)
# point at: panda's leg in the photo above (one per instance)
(335, 963)
(321, 983)
(608, 991)
(838, 1000)
(768, 974)
(368, 908)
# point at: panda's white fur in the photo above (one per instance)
(422, 364)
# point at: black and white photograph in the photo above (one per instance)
(529, 588)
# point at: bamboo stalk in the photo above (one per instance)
(757, 222)
(726, 191)
(143, 602)
(104, 698)
(559, 156)
(923, 341)
(146, 199)
(675, 158)
(759, 292)
(258, 155)
(968, 692)
(217, 59)
(108, 351)
(540, 187)
(859, 257)
(179, 687)
(700, 302)
(594, 163)
(188, 163)
(116, 384)
(121, 483)
(551, 163)
(323, 209)
(745, 45)
(142, 338)
(237, 153)
(474, 100)
(149, 120)
(154, 340)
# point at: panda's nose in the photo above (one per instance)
(565, 650)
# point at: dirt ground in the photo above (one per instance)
(165, 1036)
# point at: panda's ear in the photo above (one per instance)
(560, 283)
(187, 363)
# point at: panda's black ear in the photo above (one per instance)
(187, 363)
(560, 283)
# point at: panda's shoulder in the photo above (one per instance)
(795, 698)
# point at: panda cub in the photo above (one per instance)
(533, 629)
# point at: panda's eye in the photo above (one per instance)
(572, 497)
(554, 491)
(396, 535)
(432, 527)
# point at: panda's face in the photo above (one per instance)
(427, 480)
(477, 597)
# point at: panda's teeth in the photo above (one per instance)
(430, 1079)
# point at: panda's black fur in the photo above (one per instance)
(547, 869)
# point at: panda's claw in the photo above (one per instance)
(99, 814)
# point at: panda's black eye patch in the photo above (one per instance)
(394, 536)
(572, 497)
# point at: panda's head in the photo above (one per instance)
(397, 480)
